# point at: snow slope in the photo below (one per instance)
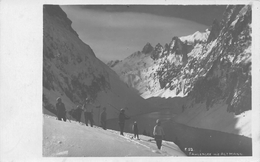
(65, 139)
(216, 118)
(135, 69)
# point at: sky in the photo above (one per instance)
(116, 31)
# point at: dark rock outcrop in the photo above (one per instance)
(56, 11)
(214, 31)
(112, 63)
(229, 79)
(158, 49)
(147, 48)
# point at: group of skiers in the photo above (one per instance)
(88, 107)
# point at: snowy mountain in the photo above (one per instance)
(198, 84)
(72, 71)
(142, 69)
(196, 37)
(211, 71)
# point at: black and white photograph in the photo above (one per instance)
(114, 81)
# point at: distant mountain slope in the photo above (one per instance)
(212, 70)
(132, 70)
(72, 71)
(142, 70)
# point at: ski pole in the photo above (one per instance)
(114, 107)
(118, 110)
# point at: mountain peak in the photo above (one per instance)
(175, 38)
(196, 37)
(147, 48)
(56, 11)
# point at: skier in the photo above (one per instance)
(78, 112)
(88, 112)
(60, 109)
(88, 107)
(122, 117)
(135, 129)
(103, 117)
(158, 133)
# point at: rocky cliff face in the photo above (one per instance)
(229, 75)
(214, 31)
(151, 70)
(209, 69)
(72, 71)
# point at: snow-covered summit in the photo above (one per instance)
(196, 37)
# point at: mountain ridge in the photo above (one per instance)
(213, 70)
(73, 72)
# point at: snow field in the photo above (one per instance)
(65, 139)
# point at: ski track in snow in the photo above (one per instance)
(148, 144)
(130, 139)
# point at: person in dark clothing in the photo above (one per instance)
(158, 133)
(103, 117)
(88, 112)
(88, 109)
(135, 129)
(78, 112)
(60, 109)
(122, 118)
